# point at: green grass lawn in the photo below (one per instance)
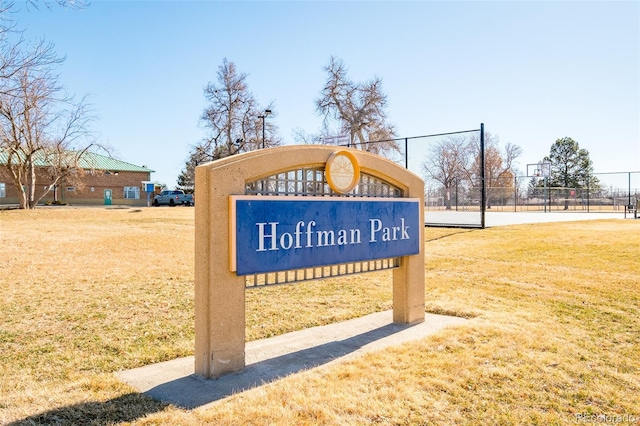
(553, 335)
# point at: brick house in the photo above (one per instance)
(105, 181)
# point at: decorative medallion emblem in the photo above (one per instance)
(342, 171)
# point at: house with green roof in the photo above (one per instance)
(103, 181)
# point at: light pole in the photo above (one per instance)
(263, 116)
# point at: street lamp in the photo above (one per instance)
(266, 112)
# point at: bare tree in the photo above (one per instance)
(304, 138)
(72, 4)
(356, 109)
(455, 162)
(42, 131)
(233, 117)
(499, 166)
(15, 55)
(235, 120)
(446, 164)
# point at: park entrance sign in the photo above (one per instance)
(282, 233)
(299, 210)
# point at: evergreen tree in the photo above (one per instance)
(571, 167)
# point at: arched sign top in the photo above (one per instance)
(300, 220)
(342, 171)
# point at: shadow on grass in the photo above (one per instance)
(192, 391)
(125, 408)
(451, 232)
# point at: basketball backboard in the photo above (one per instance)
(540, 169)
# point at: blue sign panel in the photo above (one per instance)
(298, 232)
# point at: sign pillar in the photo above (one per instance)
(220, 291)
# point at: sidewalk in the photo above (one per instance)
(271, 359)
(517, 218)
(493, 218)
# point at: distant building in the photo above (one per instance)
(105, 181)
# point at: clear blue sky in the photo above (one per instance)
(532, 71)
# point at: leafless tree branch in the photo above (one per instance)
(359, 110)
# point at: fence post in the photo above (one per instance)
(629, 189)
(545, 195)
(483, 196)
(406, 153)
(588, 194)
(515, 193)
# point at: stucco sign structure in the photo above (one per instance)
(299, 211)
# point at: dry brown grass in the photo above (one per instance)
(553, 334)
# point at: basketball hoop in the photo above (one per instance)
(540, 169)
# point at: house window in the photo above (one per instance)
(71, 188)
(3, 189)
(132, 192)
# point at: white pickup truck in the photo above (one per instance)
(173, 198)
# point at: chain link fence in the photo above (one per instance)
(456, 199)
(449, 201)
(608, 192)
(452, 198)
(458, 205)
